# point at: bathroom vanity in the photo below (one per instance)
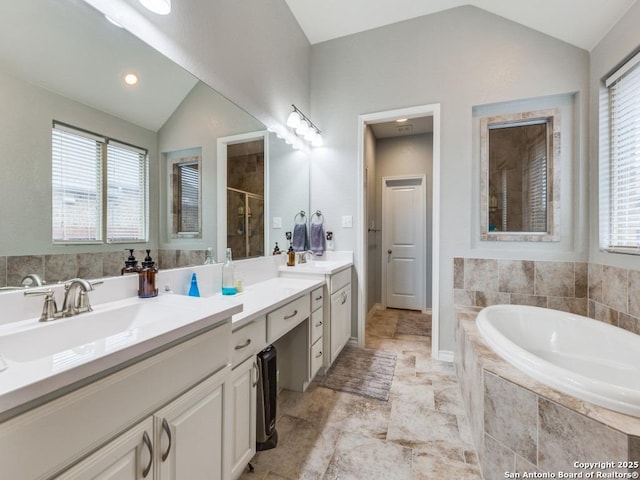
(162, 388)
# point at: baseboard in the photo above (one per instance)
(446, 356)
(376, 307)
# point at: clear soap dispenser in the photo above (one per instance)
(228, 280)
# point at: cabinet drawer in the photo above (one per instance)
(316, 325)
(248, 341)
(317, 297)
(283, 319)
(316, 357)
(340, 279)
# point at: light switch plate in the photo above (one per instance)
(347, 221)
(276, 222)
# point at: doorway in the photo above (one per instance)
(371, 242)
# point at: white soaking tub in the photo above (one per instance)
(585, 358)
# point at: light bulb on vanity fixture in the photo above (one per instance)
(304, 128)
(161, 7)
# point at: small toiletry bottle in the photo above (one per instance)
(194, 291)
(208, 259)
(130, 264)
(291, 257)
(147, 278)
(228, 281)
(276, 251)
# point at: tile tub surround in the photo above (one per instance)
(518, 424)
(598, 291)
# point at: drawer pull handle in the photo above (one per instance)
(319, 324)
(319, 298)
(295, 312)
(344, 298)
(147, 441)
(244, 345)
(319, 354)
(165, 427)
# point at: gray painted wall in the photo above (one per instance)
(622, 41)
(410, 155)
(373, 239)
(25, 189)
(459, 58)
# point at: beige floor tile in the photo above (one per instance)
(448, 398)
(430, 467)
(412, 425)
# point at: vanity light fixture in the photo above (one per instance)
(161, 7)
(400, 120)
(131, 79)
(304, 127)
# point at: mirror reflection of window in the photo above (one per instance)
(518, 175)
(185, 197)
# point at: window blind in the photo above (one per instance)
(538, 187)
(126, 193)
(76, 186)
(189, 176)
(624, 158)
(92, 175)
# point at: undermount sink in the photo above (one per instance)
(106, 329)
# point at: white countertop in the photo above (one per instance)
(263, 297)
(38, 358)
(318, 267)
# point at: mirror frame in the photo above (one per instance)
(552, 118)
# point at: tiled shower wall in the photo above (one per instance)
(60, 267)
(608, 294)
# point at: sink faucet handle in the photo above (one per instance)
(50, 308)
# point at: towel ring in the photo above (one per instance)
(302, 216)
(318, 214)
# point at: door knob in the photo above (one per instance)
(389, 251)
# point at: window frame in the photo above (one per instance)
(104, 233)
(608, 156)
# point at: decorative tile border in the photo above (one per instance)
(599, 291)
(60, 267)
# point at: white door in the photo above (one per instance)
(403, 246)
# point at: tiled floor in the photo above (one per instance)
(420, 433)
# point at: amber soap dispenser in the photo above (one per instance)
(130, 264)
(147, 278)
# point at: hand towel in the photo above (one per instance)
(317, 238)
(300, 241)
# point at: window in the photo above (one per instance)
(620, 161)
(99, 188)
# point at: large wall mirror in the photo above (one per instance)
(520, 167)
(64, 61)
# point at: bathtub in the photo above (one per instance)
(585, 358)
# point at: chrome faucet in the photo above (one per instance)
(32, 279)
(76, 298)
(302, 256)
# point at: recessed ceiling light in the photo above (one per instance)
(400, 120)
(131, 79)
(161, 7)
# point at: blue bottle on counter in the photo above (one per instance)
(193, 289)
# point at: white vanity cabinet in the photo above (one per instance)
(247, 342)
(182, 440)
(317, 330)
(340, 328)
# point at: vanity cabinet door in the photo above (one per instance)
(189, 433)
(244, 382)
(128, 457)
(340, 320)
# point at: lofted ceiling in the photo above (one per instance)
(582, 23)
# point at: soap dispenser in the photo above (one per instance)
(291, 262)
(130, 264)
(147, 278)
(276, 250)
(228, 280)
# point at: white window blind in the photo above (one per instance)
(538, 187)
(76, 186)
(623, 189)
(126, 193)
(92, 175)
(189, 188)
